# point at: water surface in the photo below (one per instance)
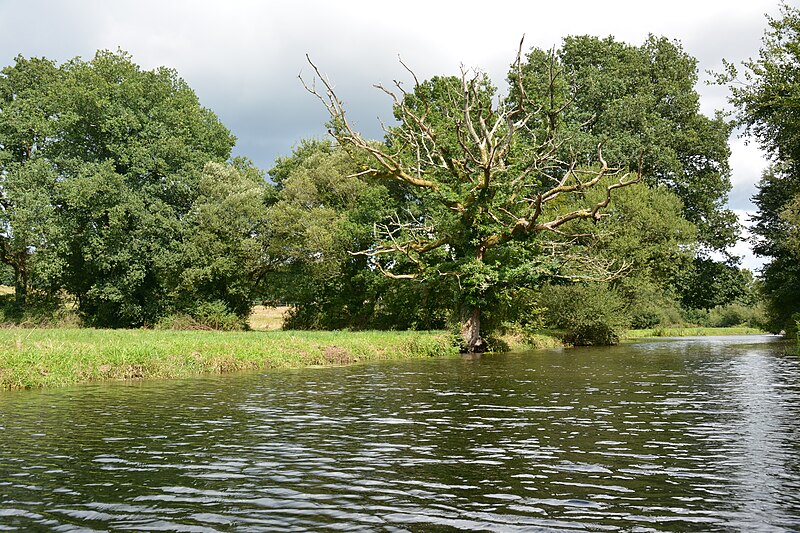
(699, 434)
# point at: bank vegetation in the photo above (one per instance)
(33, 358)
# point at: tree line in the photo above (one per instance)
(767, 96)
(591, 196)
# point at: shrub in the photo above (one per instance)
(41, 310)
(585, 315)
(647, 303)
(726, 316)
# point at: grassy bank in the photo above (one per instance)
(515, 342)
(689, 332)
(31, 358)
(518, 342)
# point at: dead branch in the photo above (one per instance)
(481, 138)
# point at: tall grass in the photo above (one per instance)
(32, 358)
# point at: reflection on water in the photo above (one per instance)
(676, 435)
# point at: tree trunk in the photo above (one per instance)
(20, 285)
(471, 331)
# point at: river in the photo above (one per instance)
(693, 434)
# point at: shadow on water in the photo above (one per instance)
(693, 434)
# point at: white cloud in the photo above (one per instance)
(748, 162)
(743, 248)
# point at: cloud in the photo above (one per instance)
(748, 162)
(743, 248)
(242, 57)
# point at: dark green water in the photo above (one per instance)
(678, 435)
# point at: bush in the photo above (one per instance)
(661, 312)
(726, 316)
(585, 315)
(40, 310)
(647, 303)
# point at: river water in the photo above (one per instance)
(696, 434)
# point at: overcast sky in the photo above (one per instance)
(242, 57)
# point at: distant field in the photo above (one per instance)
(267, 318)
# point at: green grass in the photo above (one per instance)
(689, 332)
(517, 342)
(32, 358)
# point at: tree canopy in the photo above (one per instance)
(319, 214)
(768, 101)
(103, 167)
(480, 197)
(640, 103)
(494, 188)
(118, 193)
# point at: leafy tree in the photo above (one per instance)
(645, 227)
(791, 217)
(768, 100)
(101, 164)
(130, 147)
(768, 97)
(585, 314)
(713, 283)
(318, 214)
(775, 236)
(640, 103)
(479, 200)
(27, 127)
(221, 256)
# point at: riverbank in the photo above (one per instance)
(52, 357)
(33, 358)
(518, 342)
(689, 332)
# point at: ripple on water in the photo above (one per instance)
(699, 435)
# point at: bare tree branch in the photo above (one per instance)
(474, 150)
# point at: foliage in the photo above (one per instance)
(221, 260)
(726, 316)
(645, 227)
(774, 231)
(714, 283)
(768, 101)
(768, 98)
(641, 104)
(27, 116)
(648, 305)
(480, 199)
(108, 197)
(40, 310)
(214, 315)
(318, 215)
(585, 314)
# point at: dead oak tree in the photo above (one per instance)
(485, 174)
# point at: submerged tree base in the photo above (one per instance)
(33, 358)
